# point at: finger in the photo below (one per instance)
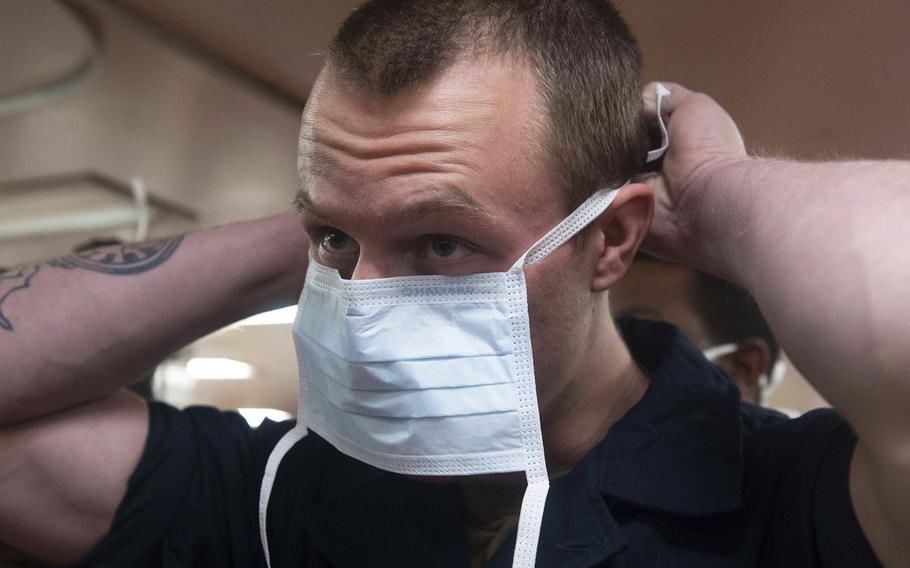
(656, 239)
(657, 183)
(678, 94)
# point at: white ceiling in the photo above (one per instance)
(277, 40)
(810, 78)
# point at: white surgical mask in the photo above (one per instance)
(429, 375)
(767, 382)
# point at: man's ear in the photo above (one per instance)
(746, 365)
(617, 234)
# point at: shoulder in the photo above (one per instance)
(796, 492)
(773, 429)
(795, 449)
(202, 436)
(755, 417)
(194, 492)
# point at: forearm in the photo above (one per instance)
(74, 330)
(825, 250)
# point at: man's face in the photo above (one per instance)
(448, 178)
(660, 291)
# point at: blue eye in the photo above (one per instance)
(444, 246)
(335, 239)
(337, 242)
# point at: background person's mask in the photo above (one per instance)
(428, 375)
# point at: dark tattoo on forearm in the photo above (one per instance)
(122, 260)
(13, 280)
(118, 260)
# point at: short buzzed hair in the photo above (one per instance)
(730, 314)
(586, 60)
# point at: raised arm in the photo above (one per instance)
(75, 330)
(78, 328)
(825, 250)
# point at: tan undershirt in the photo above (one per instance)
(491, 509)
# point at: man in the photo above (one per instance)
(712, 313)
(446, 138)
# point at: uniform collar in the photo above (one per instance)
(676, 452)
(679, 450)
(578, 528)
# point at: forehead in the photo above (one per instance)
(470, 136)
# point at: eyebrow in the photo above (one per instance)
(304, 204)
(444, 199)
(436, 200)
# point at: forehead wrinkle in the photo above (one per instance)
(464, 122)
(443, 130)
(314, 163)
(343, 167)
(414, 142)
(445, 199)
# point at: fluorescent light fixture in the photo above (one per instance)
(255, 416)
(217, 368)
(274, 317)
(69, 222)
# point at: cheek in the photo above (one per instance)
(560, 313)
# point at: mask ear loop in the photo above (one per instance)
(595, 205)
(281, 449)
(714, 353)
(657, 153)
(284, 445)
(778, 371)
(534, 501)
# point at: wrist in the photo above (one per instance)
(276, 262)
(719, 217)
(706, 217)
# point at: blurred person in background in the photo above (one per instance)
(718, 317)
